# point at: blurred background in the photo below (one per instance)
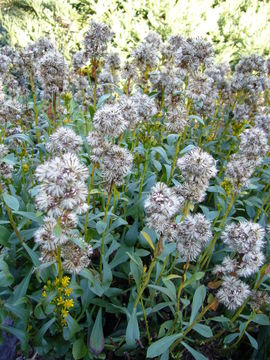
(235, 27)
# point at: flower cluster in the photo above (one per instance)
(246, 240)
(253, 147)
(62, 197)
(64, 140)
(5, 168)
(62, 299)
(196, 167)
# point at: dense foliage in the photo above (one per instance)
(134, 201)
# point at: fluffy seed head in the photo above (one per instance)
(193, 233)
(64, 140)
(233, 292)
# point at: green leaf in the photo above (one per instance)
(132, 332)
(195, 277)
(79, 349)
(39, 336)
(197, 302)
(203, 330)
(162, 345)
(229, 338)
(72, 329)
(148, 239)
(253, 341)
(194, 353)
(100, 226)
(197, 118)
(57, 230)
(132, 234)
(11, 201)
(187, 149)
(21, 289)
(97, 337)
(21, 335)
(107, 274)
(34, 256)
(102, 99)
(261, 319)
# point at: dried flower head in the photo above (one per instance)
(5, 168)
(53, 74)
(145, 105)
(197, 164)
(62, 185)
(253, 143)
(244, 237)
(64, 140)
(109, 120)
(116, 164)
(76, 257)
(193, 233)
(233, 292)
(96, 40)
(259, 299)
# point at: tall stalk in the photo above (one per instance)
(35, 104)
(104, 232)
(88, 200)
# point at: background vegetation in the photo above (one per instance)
(234, 26)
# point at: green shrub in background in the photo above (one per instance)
(234, 26)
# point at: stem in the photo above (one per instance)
(186, 266)
(104, 232)
(143, 174)
(147, 278)
(35, 104)
(54, 111)
(88, 201)
(199, 317)
(146, 322)
(177, 147)
(261, 208)
(59, 263)
(207, 254)
(158, 279)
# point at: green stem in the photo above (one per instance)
(146, 322)
(35, 104)
(104, 232)
(158, 279)
(143, 174)
(199, 317)
(54, 111)
(267, 198)
(147, 278)
(207, 254)
(88, 201)
(59, 263)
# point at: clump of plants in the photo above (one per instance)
(134, 201)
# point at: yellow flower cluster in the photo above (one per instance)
(62, 298)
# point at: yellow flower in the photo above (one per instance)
(68, 292)
(69, 303)
(25, 167)
(44, 294)
(56, 282)
(65, 281)
(67, 120)
(64, 312)
(59, 301)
